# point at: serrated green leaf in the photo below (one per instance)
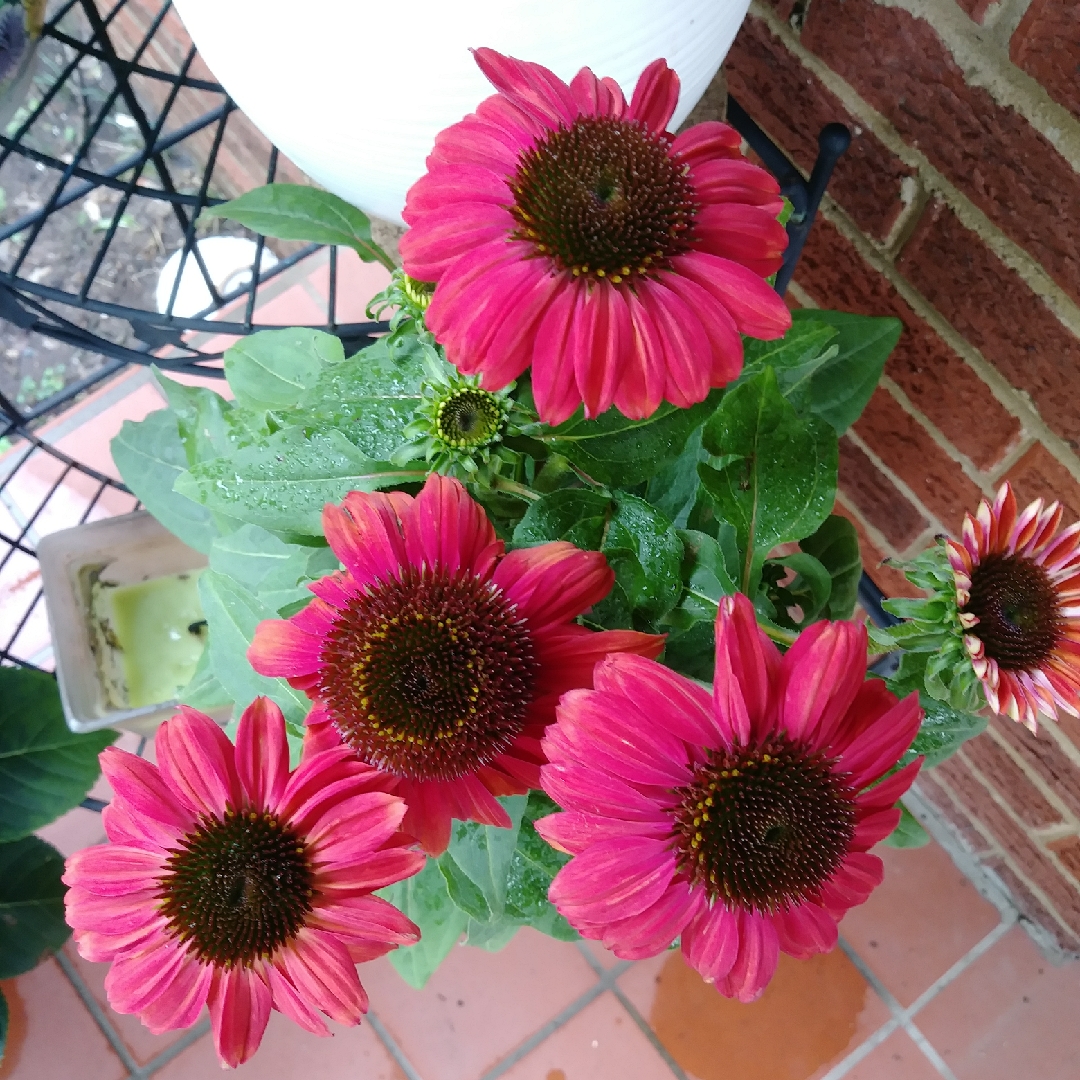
(232, 613)
(909, 833)
(943, 731)
(836, 546)
(783, 484)
(273, 368)
(840, 390)
(644, 532)
(674, 489)
(45, 769)
(424, 899)
(578, 515)
(283, 481)
(150, 457)
(618, 451)
(301, 212)
(31, 904)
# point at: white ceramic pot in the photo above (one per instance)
(354, 92)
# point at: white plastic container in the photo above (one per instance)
(355, 92)
(124, 551)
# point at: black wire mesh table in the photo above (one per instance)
(125, 126)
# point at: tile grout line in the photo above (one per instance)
(192, 1035)
(391, 1046)
(864, 1049)
(605, 981)
(929, 1051)
(631, 1008)
(96, 1011)
(647, 1031)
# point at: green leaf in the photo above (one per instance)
(674, 489)
(615, 450)
(483, 853)
(150, 456)
(299, 212)
(782, 484)
(369, 398)
(578, 515)
(806, 341)
(270, 568)
(463, 890)
(273, 368)
(205, 691)
(283, 481)
(232, 613)
(909, 833)
(642, 531)
(840, 390)
(31, 904)
(836, 546)
(494, 934)
(534, 863)
(810, 588)
(943, 731)
(202, 418)
(706, 575)
(45, 769)
(425, 899)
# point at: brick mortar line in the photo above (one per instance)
(921, 543)
(982, 876)
(1066, 745)
(1013, 400)
(1003, 805)
(1008, 251)
(802, 296)
(1003, 17)
(985, 64)
(976, 475)
(1024, 444)
(958, 841)
(907, 219)
(872, 530)
(935, 523)
(1036, 780)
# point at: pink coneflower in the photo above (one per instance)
(436, 657)
(567, 230)
(739, 820)
(1018, 591)
(233, 883)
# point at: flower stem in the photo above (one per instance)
(778, 634)
(512, 487)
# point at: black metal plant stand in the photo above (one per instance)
(150, 142)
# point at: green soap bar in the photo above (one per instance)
(152, 624)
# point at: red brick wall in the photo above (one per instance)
(957, 210)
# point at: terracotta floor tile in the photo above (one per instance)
(478, 1006)
(813, 1014)
(1010, 1015)
(601, 1043)
(288, 1053)
(51, 1035)
(77, 829)
(143, 1045)
(294, 307)
(897, 1058)
(357, 283)
(923, 918)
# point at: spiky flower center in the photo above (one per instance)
(238, 888)
(429, 676)
(470, 417)
(1017, 607)
(604, 198)
(763, 828)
